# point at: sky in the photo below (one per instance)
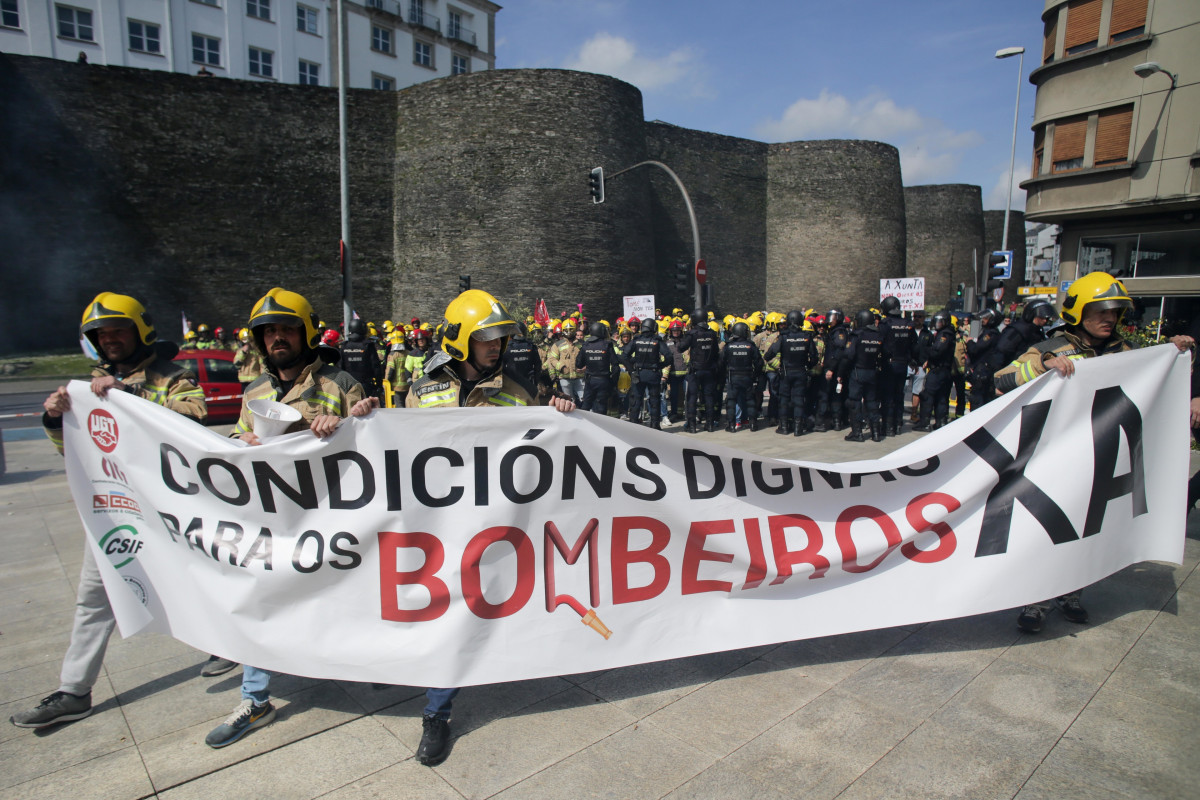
(918, 74)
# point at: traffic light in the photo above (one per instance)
(464, 283)
(959, 292)
(682, 276)
(596, 184)
(998, 270)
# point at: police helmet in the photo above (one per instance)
(1039, 308)
(864, 319)
(890, 306)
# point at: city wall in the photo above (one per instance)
(199, 194)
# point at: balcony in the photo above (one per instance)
(418, 17)
(459, 33)
(386, 6)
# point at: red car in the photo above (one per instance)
(219, 379)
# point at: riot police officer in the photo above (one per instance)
(797, 352)
(703, 346)
(935, 397)
(899, 341)
(601, 366)
(646, 356)
(742, 362)
(361, 359)
(864, 355)
(1022, 334)
(523, 362)
(830, 400)
(984, 356)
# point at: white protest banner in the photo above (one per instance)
(451, 547)
(909, 291)
(639, 305)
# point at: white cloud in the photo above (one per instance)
(998, 194)
(929, 151)
(619, 57)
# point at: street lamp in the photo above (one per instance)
(1144, 71)
(1012, 159)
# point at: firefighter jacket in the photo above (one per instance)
(156, 378)
(249, 363)
(321, 388)
(414, 365)
(443, 388)
(1064, 342)
(562, 359)
(765, 342)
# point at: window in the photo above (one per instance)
(10, 16)
(220, 371)
(306, 19)
(454, 25)
(258, 8)
(74, 23)
(381, 39)
(262, 63)
(422, 53)
(416, 12)
(382, 82)
(310, 73)
(459, 65)
(1039, 149)
(1051, 38)
(144, 37)
(1083, 26)
(1112, 135)
(1069, 137)
(207, 2)
(1128, 20)
(206, 50)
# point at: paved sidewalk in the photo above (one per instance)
(966, 708)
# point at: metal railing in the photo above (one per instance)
(418, 16)
(460, 33)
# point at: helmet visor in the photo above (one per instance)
(494, 331)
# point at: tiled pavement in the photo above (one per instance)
(962, 708)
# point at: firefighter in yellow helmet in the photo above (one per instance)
(299, 373)
(247, 358)
(563, 355)
(132, 360)
(467, 371)
(1092, 311)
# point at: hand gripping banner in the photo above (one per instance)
(465, 546)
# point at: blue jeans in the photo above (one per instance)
(439, 702)
(256, 684)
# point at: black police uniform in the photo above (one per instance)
(742, 362)
(864, 355)
(830, 400)
(645, 356)
(899, 342)
(601, 365)
(361, 360)
(797, 351)
(984, 356)
(935, 397)
(704, 345)
(524, 363)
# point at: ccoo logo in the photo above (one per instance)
(103, 429)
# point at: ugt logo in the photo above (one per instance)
(103, 429)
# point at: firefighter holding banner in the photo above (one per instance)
(467, 372)
(132, 360)
(298, 374)
(1092, 312)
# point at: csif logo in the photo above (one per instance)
(113, 471)
(103, 429)
(120, 545)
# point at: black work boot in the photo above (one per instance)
(690, 426)
(822, 425)
(855, 435)
(785, 426)
(839, 422)
(799, 428)
(434, 738)
(754, 425)
(877, 431)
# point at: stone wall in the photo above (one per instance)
(193, 194)
(945, 236)
(198, 195)
(835, 224)
(993, 229)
